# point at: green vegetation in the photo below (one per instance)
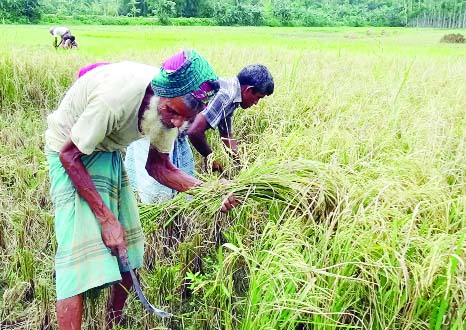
(417, 13)
(353, 182)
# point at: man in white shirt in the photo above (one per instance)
(96, 217)
(60, 32)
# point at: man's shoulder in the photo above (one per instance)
(60, 29)
(130, 71)
(228, 83)
(131, 64)
(229, 89)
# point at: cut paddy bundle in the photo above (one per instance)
(303, 186)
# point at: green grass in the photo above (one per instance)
(353, 183)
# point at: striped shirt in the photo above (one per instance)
(220, 109)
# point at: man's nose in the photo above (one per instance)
(177, 122)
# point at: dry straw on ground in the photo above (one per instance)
(453, 38)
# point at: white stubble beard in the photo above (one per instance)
(151, 125)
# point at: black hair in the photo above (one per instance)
(198, 105)
(194, 104)
(257, 76)
(69, 37)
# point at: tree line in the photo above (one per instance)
(417, 13)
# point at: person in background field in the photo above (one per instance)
(252, 83)
(66, 39)
(70, 42)
(96, 216)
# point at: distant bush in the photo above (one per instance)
(227, 14)
(193, 21)
(99, 19)
(315, 18)
(19, 11)
(57, 19)
(125, 20)
(455, 38)
(272, 21)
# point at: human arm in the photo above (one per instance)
(159, 166)
(226, 135)
(113, 234)
(217, 114)
(61, 32)
(198, 139)
(197, 136)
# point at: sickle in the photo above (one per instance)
(137, 286)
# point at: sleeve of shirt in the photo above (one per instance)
(216, 109)
(224, 126)
(92, 126)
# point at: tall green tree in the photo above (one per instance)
(19, 11)
(433, 13)
(133, 8)
(164, 9)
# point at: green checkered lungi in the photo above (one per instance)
(82, 261)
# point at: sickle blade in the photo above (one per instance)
(142, 298)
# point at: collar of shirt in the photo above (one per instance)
(232, 88)
(235, 84)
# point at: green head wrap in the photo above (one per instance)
(187, 78)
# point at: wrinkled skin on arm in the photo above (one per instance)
(159, 166)
(173, 113)
(113, 234)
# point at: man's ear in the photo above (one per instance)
(247, 89)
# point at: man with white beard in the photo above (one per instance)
(96, 216)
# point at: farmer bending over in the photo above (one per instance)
(252, 83)
(62, 32)
(96, 216)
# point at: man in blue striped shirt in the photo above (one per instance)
(252, 83)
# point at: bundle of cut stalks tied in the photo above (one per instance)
(302, 186)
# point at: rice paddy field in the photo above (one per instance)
(352, 179)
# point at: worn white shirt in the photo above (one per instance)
(100, 111)
(60, 31)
